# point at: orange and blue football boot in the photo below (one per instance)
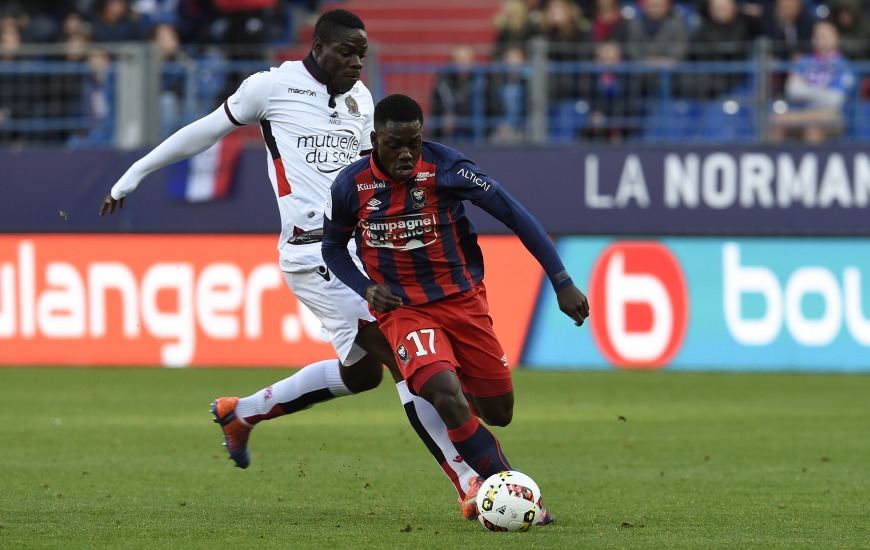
(546, 518)
(469, 505)
(236, 432)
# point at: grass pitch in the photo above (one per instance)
(130, 458)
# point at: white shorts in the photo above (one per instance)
(338, 308)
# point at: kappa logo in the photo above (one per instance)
(373, 204)
(402, 353)
(418, 198)
(352, 106)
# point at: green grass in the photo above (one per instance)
(130, 458)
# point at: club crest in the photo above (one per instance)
(352, 106)
(418, 198)
(402, 352)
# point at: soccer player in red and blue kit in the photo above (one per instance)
(404, 204)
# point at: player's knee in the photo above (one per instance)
(501, 417)
(363, 375)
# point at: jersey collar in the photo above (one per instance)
(320, 75)
(374, 163)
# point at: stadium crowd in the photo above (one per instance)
(820, 40)
(614, 40)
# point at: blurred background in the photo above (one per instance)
(701, 166)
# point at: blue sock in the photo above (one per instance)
(479, 448)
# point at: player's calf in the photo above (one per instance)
(496, 410)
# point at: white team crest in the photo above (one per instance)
(373, 204)
(418, 198)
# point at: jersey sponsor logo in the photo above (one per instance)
(418, 198)
(333, 118)
(301, 91)
(423, 176)
(330, 151)
(352, 106)
(474, 178)
(401, 232)
(371, 185)
(373, 204)
(403, 355)
(646, 304)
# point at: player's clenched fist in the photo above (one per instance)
(573, 303)
(381, 299)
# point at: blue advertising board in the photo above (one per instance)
(762, 304)
(571, 190)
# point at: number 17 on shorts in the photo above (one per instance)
(420, 343)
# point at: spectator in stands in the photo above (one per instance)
(165, 38)
(510, 87)
(11, 97)
(854, 29)
(816, 90)
(610, 98)
(725, 34)
(569, 38)
(115, 24)
(608, 23)
(453, 96)
(74, 25)
(657, 35)
(789, 26)
(512, 25)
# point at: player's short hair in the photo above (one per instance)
(329, 26)
(398, 108)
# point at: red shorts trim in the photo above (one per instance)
(422, 375)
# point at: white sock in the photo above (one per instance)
(313, 384)
(423, 416)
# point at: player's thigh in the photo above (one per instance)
(338, 308)
(484, 370)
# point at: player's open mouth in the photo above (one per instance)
(404, 171)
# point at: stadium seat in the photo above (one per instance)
(727, 120)
(672, 121)
(858, 124)
(565, 120)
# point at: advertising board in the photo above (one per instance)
(709, 303)
(190, 300)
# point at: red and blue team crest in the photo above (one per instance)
(402, 353)
(418, 198)
(352, 106)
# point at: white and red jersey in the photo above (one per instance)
(308, 141)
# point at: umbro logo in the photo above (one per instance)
(373, 204)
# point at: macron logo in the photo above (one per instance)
(373, 204)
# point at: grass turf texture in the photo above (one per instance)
(130, 458)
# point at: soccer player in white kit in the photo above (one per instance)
(316, 118)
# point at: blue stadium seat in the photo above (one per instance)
(672, 121)
(728, 120)
(565, 120)
(858, 124)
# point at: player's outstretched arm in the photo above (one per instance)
(502, 206)
(191, 140)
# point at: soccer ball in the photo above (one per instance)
(509, 501)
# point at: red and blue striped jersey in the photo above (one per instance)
(414, 235)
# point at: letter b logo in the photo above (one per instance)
(640, 304)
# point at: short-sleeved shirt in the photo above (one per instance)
(414, 235)
(308, 141)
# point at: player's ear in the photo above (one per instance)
(374, 137)
(317, 45)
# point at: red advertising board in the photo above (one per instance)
(191, 300)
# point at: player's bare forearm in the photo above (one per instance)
(382, 299)
(573, 303)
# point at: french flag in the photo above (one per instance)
(208, 175)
